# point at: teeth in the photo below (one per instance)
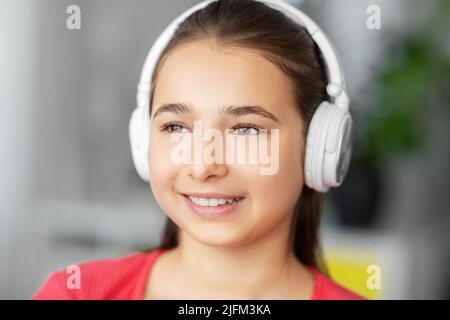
(212, 202)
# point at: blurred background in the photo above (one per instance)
(69, 192)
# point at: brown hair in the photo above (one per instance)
(253, 25)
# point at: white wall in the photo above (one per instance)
(17, 94)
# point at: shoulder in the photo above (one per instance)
(327, 289)
(117, 278)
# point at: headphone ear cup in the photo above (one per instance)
(314, 144)
(139, 143)
(328, 147)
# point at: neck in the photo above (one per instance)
(242, 271)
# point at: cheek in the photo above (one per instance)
(278, 193)
(162, 170)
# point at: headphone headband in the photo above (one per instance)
(336, 81)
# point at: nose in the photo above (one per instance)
(208, 160)
(208, 172)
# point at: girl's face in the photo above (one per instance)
(207, 79)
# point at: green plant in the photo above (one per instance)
(414, 78)
(412, 69)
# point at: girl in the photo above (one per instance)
(231, 232)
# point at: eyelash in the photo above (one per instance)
(169, 127)
(247, 126)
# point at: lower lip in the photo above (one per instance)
(214, 212)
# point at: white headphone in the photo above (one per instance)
(329, 138)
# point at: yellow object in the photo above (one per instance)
(352, 269)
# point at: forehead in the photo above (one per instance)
(205, 75)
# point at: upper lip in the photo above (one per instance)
(211, 195)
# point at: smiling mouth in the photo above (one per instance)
(213, 205)
(204, 202)
(213, 199)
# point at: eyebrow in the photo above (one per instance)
(180, 108)
(177, 108)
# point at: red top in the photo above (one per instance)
(125, 279)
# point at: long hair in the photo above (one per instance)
(253, 25)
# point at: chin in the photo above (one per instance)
(218, 236)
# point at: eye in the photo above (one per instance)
(174, 128)
(246, 130)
